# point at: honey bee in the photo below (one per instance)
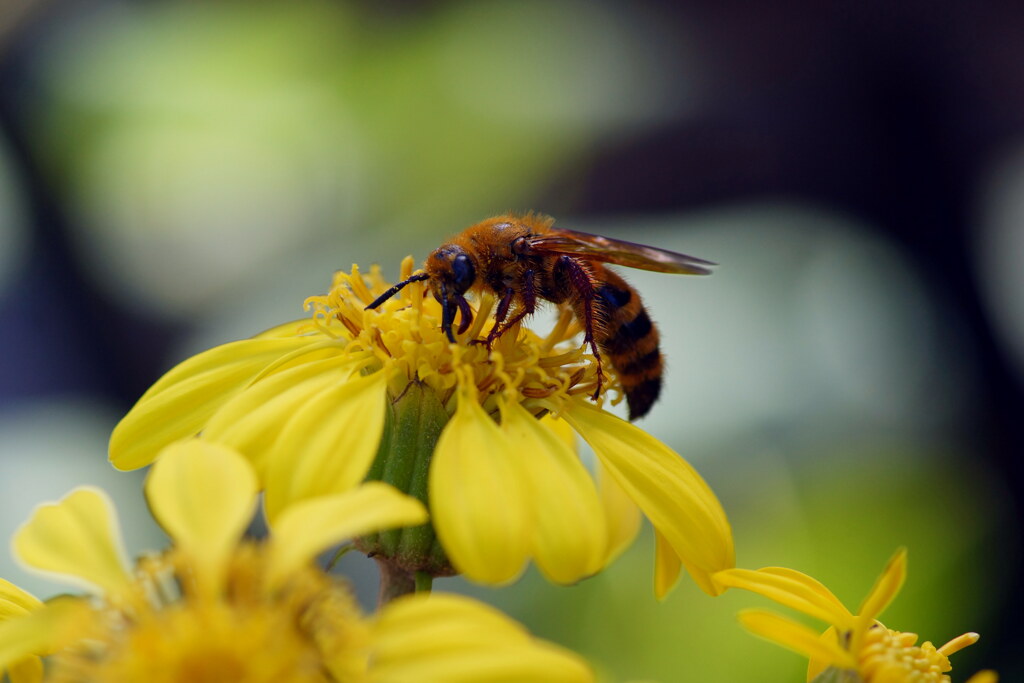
(524, 259)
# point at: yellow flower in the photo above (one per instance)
(856, 647)
(214, 608)
(485, 436)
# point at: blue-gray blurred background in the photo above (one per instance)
(178, 174)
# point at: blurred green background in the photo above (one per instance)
(175, 174)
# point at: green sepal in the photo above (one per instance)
(413, 424)
(835, 675)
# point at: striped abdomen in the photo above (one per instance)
(627, 336)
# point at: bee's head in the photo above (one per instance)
(452, 272)
(453, 269)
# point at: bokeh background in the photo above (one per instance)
(178, 174)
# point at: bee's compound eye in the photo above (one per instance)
(463, 273)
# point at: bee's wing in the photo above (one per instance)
(619, 252)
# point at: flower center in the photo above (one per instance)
(894, 656)
(310, 631)
(403, 337)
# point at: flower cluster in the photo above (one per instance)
(319, 406)
(217, 608)
(371, 428)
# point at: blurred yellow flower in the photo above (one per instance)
(485, 436)
(856, 648)
(213, 608)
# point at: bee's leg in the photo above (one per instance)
(499, 316)
(529, 305)
(466, 313)
(583, 287)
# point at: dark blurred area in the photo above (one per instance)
(907, 118)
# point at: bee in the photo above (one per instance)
(524, 259)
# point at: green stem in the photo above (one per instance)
(424, 582)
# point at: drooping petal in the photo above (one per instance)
(311, 526)
(454, 639)
(621, 514)
(477, 496)
(203, 495)
(570, 533)
(181, 401)
(790, 588)
(78, 540)
(252, 421)
(669, 491)
(666, 566)
(328, 444)
(15, 601)
(796, 637)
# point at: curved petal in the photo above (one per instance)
(454, 639)
(15, 601)
(984, 677)
(38, 633)
(669, 491)
(252, 421)
(28, 670)
(792, 589)
(203, 495)
(667, 566)
(621, 515)
(886, 587)
(796, 637)
(181, 401)
(328, 444)
(825, 660)
(77, 539)
(305, 529)
(476, 493)
(570, 536)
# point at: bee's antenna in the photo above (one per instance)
(396, 289)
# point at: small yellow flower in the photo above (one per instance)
(856, 648)
(485, 435)
(214, 608)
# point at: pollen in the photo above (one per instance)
(403, 337)
(889, 655)
(174, 634)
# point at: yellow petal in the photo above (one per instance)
(569, 535)
(15, 601)
(454, 639)
(77, 539)
(790, 588)
(984, 677)
(328, 444)
(621, 515)
(252, 421)
(886, 587)
(817, 664)
(666, 566)
(181, 401)
(292, 328)
(28, 670)
(43, 631)
(203, 495)
(476, 493)
(669, 491)
(796, 637)
(305, 529)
